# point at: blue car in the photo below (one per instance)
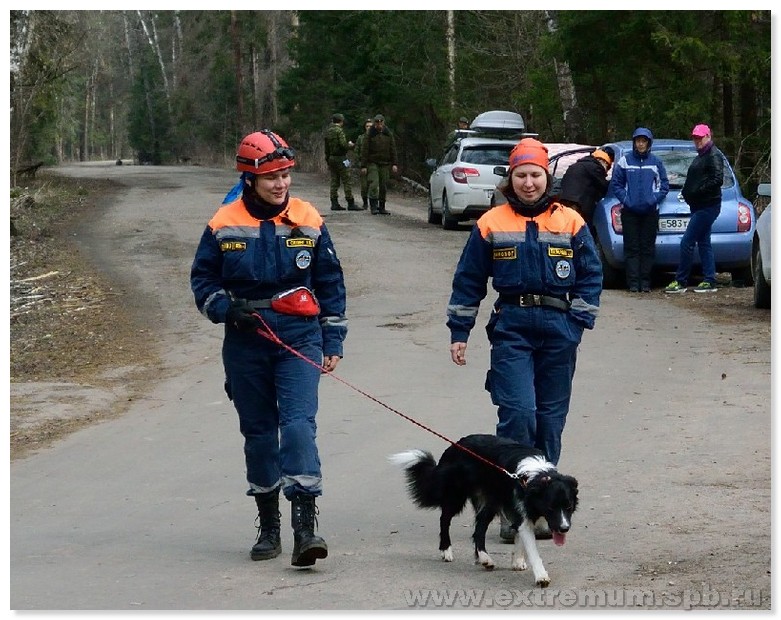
(732, 233)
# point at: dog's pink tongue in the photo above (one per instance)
(559, 538)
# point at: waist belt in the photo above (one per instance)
(530, 299)
(257, 304)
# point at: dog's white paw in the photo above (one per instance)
(447, 554)
(543, 581)
(485, 560)
(519, 563)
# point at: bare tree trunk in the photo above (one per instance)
(451, 59)
(236, 41)
(155, 45)
(569, 102)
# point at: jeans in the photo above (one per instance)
(276, 396)
(698, 232)
(639, 246)
(533, 355)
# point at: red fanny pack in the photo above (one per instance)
(296, 302)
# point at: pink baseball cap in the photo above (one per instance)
(700, 131)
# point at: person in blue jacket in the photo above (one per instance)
(266, 254)
(542, 261)
(640, 184)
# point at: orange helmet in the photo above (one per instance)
(263, 152)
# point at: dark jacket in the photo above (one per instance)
(379, 147)
(704, 178)
(583, 185)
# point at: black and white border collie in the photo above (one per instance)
(538, 492)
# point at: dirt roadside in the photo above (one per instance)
(69, 323)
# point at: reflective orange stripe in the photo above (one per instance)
(298, 211)
(503, 219)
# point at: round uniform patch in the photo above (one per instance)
(303, 259)
(563, 269)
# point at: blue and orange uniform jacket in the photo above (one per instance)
(243, 257)
(550, 254)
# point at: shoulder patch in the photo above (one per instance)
(505, 253)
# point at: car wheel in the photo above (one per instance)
(761, 286)
(433, 218)
(448, 221)
(611, 277)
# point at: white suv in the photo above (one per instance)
(463, 182)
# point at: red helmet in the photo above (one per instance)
(263, 152)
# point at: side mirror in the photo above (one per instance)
(500, 171)
(763, 189)
(431, 163)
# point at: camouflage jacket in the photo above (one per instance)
(335, 141)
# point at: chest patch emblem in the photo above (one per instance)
(505, 254)
(232, 246)
(300, 242)
(303, 259)
(563, 269)
(563, 252)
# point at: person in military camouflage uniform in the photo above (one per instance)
(336, 147)
(364, 179)
(378, 159)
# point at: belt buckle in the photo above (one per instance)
(537, 300)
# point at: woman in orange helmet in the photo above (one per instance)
(268, 254)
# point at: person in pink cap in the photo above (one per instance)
(702, 192)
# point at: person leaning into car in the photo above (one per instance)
(585, 182)
(702, 192)
(542, 261)
(640, 184)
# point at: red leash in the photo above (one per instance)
(270, 335)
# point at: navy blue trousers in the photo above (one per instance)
(533, 355)
(275, 395)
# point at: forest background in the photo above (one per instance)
(165, 87)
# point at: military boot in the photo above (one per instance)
(269, 544)
(382, 210)
(307, 547)
(351, 206)
(335, 206)
(374, 204)
(365, 204)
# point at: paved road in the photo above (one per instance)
(668, 436)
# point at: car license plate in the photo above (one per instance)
(673, 224)
(489, 193)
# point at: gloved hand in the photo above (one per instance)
(242, 316)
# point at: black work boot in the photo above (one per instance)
(374, 205)
(307, 547)
(269, 544)
(335, 206)
(351, 206)
(365, 204)
(382, 210)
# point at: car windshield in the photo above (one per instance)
(677, 163)
(487, 155)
